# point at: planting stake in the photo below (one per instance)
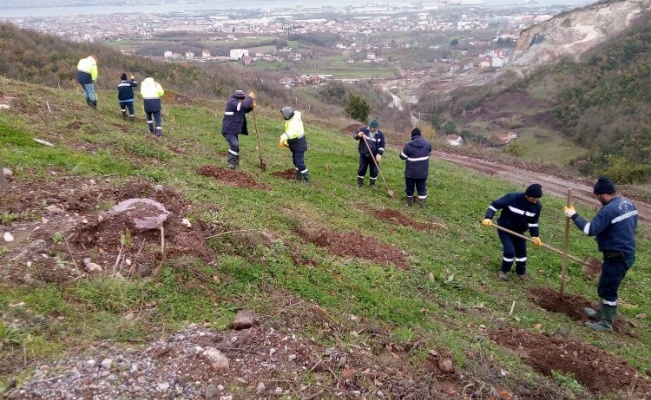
(566, 243)
(263, 165)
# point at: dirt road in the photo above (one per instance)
(552, 184)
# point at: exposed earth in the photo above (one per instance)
(70, 228)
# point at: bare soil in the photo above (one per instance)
(231, 177)
(397, 218)
(596, 370)
(289, 174)
(354, 244)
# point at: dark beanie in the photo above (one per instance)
(374, 124)
(534, 190)
(604, 186)
(239, 94)
(123, 76)
(415, 132)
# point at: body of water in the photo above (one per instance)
(7, 10)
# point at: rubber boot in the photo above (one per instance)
(124, 114)
(360, 182)
(299, 176)
(410, 201)
(232, 162)
(504, 276)
(608, 315)
(93, 103)
(88, 102)
(592, 313)
(307, 180)
(132, 118)
(421, 203)
(372, 185)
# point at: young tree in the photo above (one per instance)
(357, 108)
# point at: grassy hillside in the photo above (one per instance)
(395, 290)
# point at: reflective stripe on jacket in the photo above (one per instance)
(614, 226)
(375, 142)
(417, 153)
(234, 120)
(518, 214)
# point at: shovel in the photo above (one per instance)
(590, 262)
(389, 191)
(263, 165)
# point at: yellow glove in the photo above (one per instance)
(252, 95)
(536, 241)
(569, 211)
(283, 144)
(133, 77)
(486, 222)
(378, 158)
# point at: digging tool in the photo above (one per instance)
(263, 165)
(389, 191)
(566, 244)
(594, 263)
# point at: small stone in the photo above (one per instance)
(278, 390)
(446, 365)
(7, 172)
(53, 208)
(128, 262)
(211, 392)
(217, 358)
(186, 222)
(261, 387)
(91, 362)
(8, 237)
(84, 221)
(163, 386)
(106, 363)
(292, 357)
(158, 188)
(245, 319)
(144, 270)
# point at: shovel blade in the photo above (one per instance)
(591, 267)
(391, 194)
(263, 166)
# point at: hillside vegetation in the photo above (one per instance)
(600, 103)
(355, 295)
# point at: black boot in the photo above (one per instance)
(93, 103)
(608, 315)
(232, 162)
(421, 203)
(306, 178)
(410, 201)
(132, 118)
(372, 185)
(299, 176)
(88, 102)
(360, 182)
(124, 114)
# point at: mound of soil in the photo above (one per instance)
(572, 306)
(396, 217)
(231, 177)
(596, 370)
(353, 244)
(60, 234)
(289, 174)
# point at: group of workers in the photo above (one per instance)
(150, 90)
(614, 226)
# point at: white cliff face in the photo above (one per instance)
(572, 34)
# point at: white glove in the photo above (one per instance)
(569, 211)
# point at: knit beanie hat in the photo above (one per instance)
(123, 76)
(604, 186)
(534, 190)
(374, 124)
(415, 132)
(239, 94)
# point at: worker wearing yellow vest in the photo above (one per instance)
(152, 92)
(294, 138)
(86, 76)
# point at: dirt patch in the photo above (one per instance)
(62, 232)
(74, 125)
(352, 128)
(289, 174)
(231, 177)
(122, 127)
(572, 306)
(595, 369)
(353, 244)
(396, 217)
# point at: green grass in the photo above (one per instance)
(449, 292)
